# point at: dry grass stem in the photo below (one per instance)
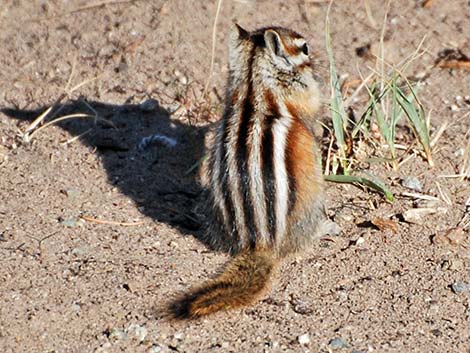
(371, 18)
(437, 135)
(73, 139)
(114, 223)
(214, 33)
(444, 195)
(65, 117)
(328, 156)
(420, 196)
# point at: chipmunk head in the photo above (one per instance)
(277, 58)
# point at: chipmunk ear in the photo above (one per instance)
(237, 34)
(274, 43)
(242, 33)
(237, 45)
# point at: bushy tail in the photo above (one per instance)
(241, 283)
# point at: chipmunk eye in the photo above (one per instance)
(304, 49)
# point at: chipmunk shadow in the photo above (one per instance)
(159, 177)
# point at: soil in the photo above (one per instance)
(97, 233)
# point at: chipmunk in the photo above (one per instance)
(264, 171)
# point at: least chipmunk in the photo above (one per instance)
(264, 169)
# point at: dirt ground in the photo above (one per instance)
(71, 280)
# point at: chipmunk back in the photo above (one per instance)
(264, 171)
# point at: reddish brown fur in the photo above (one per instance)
(301, 151)
(291, 50)
(235, 96)
(271, 104)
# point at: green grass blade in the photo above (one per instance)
(415, 115)
(395, 116)
(371, 182)
(386, 130)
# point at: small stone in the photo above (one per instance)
(412, 183)
(117, 334)
(179, 336)
(182, 78)
(360, 241)
(225, 345)
(356, 351)
(338, 343)
(79, 251)
(460, 287)
(418, 215)
(453, 236)
(138, 331)
(173, 107)
(70, 223)
(274, 344)
(72, 193)
(304, 339)
(456, 265)
(76, 307)
(148, 105)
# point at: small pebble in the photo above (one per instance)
(274, 344)
(356, 351)
(76, 307)
(117, 334)
(456, 265)
(182, 78)
(338, 343)
(79, 251)
(304, 339)
(70, 223)
(412, 183)
(148, 105)
(138, 331)
(460, 287)
(360, 241)
(72, 193)
(179, 336)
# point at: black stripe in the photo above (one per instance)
(223, 173)
(269, 180)
(244, 129)
(292, 182)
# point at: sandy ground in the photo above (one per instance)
(71, 280)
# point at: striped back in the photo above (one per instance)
(257, 167)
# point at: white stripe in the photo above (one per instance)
(233, 177)
(257, 186)
(280, 131)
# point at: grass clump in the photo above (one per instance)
(391, 97)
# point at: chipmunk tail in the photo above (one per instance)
(244, 279)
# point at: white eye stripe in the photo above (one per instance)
(299, 42)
